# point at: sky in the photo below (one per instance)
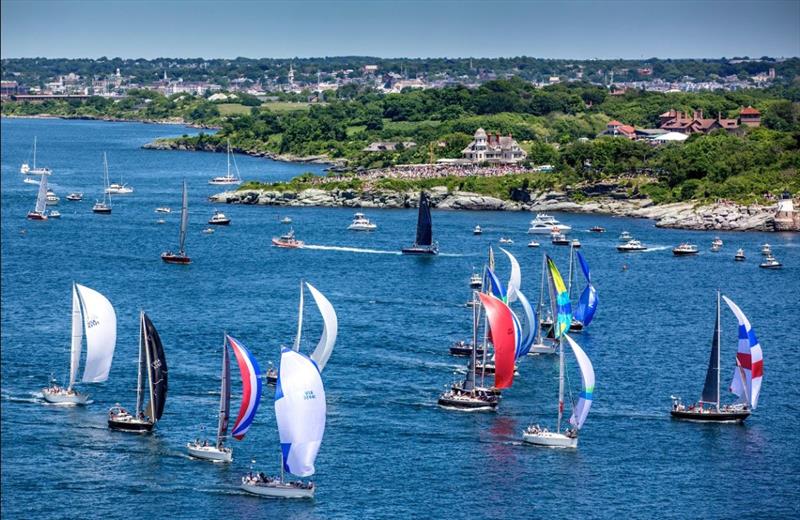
(573, 29)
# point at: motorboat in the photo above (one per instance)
(161, 221)
(475, 281)
(163, 209)
(533, 243)
(286, 220)
(716, 242)
(30, 180)
(462, 348)
(559, 239)
(597, 229)
(271, 375)
(685, 249)
(504, 240)
(54, 214)
(219, 219)
(229, 177)
(631, 245)
(739, 255)
(766, 250)
(477, 230)
(575, 243)
(625, 236)
(361, 223)
(75, 196)
(118, 189)
(207, 230)
(715, 248)
(544, 223)
(770, 262)
(287, 241)
(51, 198)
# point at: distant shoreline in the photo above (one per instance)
(173, 122)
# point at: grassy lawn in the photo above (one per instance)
(285, 106)
(407, 126)
(229, 109)
(352, 130)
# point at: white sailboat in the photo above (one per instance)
(104, 207)
(94, 314)
(26, 168)
(251, 397)
(540, 436)
(228, 178)
(539, 345)
(40, 210)
(300, 411)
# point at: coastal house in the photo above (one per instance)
(493, 148)
(749, 116)
(616, 129)
(676, 121)
(388, 146)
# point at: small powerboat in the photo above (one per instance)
(715, 248)
(161, 221)
(462, 348)
(559, 239)
(770, 262)
(475, 281)
(286, 220)
(361, 223)
(739, 255)
(625, 236)
(118, 189)
(576, 243)
(207, 230)
(287, 241)
(477, 230)
(54, 214)
(597, 229)
(544, 223)
(631, 245)
(504, 240)
(533, 243)
(163, 209)
(75, 196)
(716, 242)
(685, 249)
(272, 375)
(52, 199)
(766, 250)
(219, 219)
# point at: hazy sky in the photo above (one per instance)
(483, 28)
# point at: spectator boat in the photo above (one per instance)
(544, 223)
(361, 223)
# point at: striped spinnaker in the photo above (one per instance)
(251, 388)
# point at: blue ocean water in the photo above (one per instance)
(388, 451)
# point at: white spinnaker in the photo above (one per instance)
(100, 322)
(329, 331)
(77, 337)
(581, 410)
(300, 412)
(515, 280)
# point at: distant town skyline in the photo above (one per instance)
(415, 29)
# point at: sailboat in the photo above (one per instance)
(576, 325)
(153, 367)
(229, 178)
(424, 244)
(180, 257)
(27, 170)
(539, 346)
(94, 314)
(40, 210)
(587, 303)
(746, 382)
(300, 411)
(561, 308)
(251, 397)
(104, 206)
(330, 330)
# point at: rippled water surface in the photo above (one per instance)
(388, 451)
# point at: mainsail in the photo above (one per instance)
(515, 279)
(330, 328)
(77, 337)
(251, 388)
(587, 304)
(184, 220)
(581, 410)
(505, 331)
(156, 370)
(100, 322)
(711, 387)
(424, 224)
(559, 300)
(224, 396)
(41, 197)
(300, 412)
(749, 360)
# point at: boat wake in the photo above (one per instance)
(655, 248)
(351, 250)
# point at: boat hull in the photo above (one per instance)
(130, 425)
(711, 416)
(102, 211)
(464, 350)
(36, 216)
(209, 453)
(170, 258)
(219, 222)
(468, 404)
(278, 490)
(421, 250)
(297, 244)
(770, 266)
(542, 349)
(684, 253)
(550, 440)
(55, 397)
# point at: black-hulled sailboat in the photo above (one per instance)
(746, 377)
(424, 244)
(180, 257)
(153, 363)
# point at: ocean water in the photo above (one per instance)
(389, 451)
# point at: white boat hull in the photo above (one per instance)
(542, 349)
(546, 230)
(550, 440)
(210, 453)
(278, 490)
(63, 398)
(359, 227)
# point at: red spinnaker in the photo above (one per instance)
(503, 337)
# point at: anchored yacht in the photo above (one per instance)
(544, 223)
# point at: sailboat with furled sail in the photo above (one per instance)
(152, 368)
(103, 207)
(424, 244)
(251, 397)
(300, 411)
(93, 314)
(540, 436)
(180, 257)
(746, 382)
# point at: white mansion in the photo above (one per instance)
(493, 149)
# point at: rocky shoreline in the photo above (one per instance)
(169, 144)
(682, 215)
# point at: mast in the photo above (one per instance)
(139, 397)
(184, 221)
(299, 321)
(470, 383)
(34, 152)
(560, 381)
(224, 396)
(105, 180)
(719, 345)
(281, 464)
(485, 330)
(229, 158)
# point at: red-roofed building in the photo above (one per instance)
(617, 129)
(750, 116)
(675, 121)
